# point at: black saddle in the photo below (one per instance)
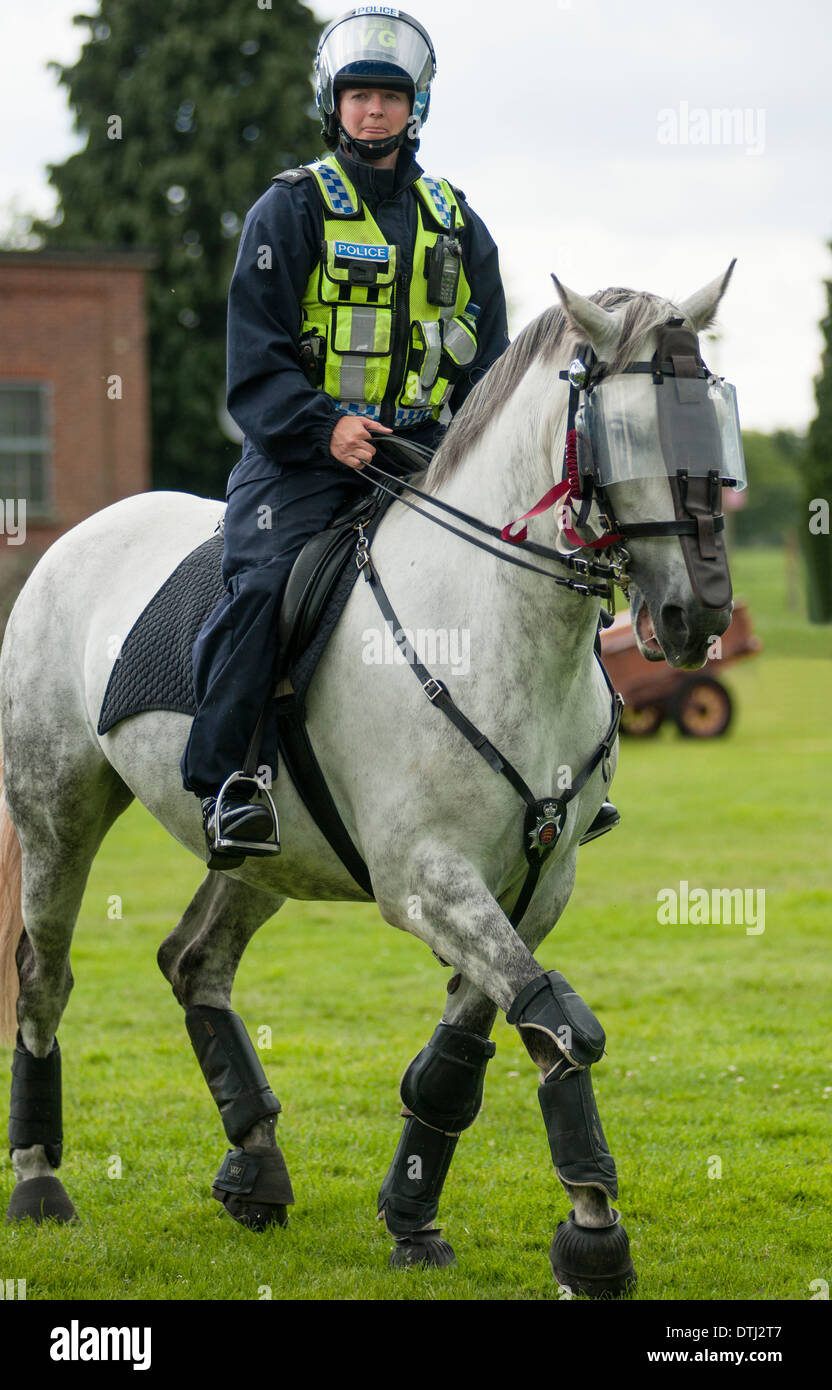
(321, 563)
(314, 577)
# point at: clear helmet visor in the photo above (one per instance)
(378, 42)
(628, 428)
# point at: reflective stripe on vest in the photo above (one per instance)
(355, 300)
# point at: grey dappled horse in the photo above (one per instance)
(432, 821)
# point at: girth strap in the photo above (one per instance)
(305, 771)
(545, 817)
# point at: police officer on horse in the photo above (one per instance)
(366, 300)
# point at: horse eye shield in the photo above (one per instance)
(633, 426)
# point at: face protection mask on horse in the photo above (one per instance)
(671, 419)
(374, 46)
(698, 428)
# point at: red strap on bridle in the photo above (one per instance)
(570, 491)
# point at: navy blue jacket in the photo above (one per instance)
(283, 418)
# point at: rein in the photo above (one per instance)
(591, 569)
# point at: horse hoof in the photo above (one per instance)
(255, 1216)
(593, 1260)
(425, 1248)
(38, 1199)
(253, 1186)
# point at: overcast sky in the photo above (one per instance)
(591, 137)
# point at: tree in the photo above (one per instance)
(776, 469)
(818, 489)
(190, 107)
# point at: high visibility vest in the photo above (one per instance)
(389, 353)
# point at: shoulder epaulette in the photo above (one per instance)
(431, 191)
(292, 175)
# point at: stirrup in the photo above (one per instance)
(225, 853)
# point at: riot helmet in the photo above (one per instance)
(374, 45)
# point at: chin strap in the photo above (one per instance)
(372, 149)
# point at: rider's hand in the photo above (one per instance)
(350, 442)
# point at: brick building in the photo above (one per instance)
(74, 407)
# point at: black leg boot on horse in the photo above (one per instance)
(253, 1182)
(557, 1026)
(441, 1093)
(36, 1136)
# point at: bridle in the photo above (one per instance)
(686, 419)
(698, 515)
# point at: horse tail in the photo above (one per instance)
(11, 916)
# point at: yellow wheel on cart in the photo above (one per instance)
(702, 708)
(643, 720)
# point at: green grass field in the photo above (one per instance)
(718, 1058)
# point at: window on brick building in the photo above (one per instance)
(25, 444)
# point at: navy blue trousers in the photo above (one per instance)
(267, 522)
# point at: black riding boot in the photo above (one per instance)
(606, 819)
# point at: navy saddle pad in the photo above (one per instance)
(154, 669)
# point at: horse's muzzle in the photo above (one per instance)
(685, 635)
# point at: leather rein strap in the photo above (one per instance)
(591, 569)
(545, 817)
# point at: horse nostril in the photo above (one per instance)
(675, 625)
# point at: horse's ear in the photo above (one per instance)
(701, 307)
(602, 326)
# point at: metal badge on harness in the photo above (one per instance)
(548, 826)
